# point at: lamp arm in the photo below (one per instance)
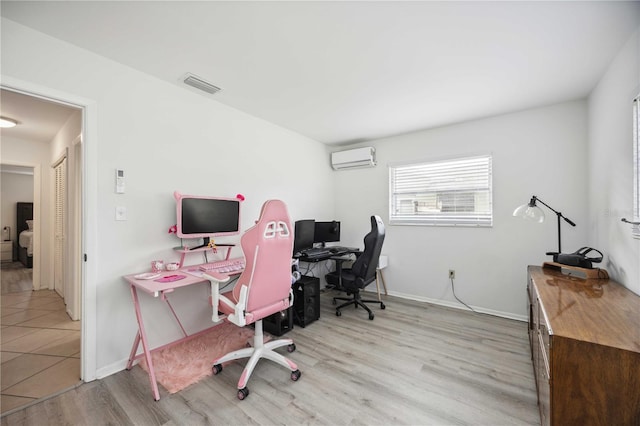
(560, 215)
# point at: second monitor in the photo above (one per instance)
(326, 232)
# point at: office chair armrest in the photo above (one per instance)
(237, 317)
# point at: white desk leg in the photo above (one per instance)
(384, 285)
(378, 285)
(141, 336)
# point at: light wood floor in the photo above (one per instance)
(415, 364)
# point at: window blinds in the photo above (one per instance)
(447, 192)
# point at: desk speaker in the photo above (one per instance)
(306, 302)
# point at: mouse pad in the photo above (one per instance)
(170, 278)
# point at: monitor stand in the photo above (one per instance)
(205, 243)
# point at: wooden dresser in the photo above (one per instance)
(585, 346)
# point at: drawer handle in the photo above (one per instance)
(629, 222)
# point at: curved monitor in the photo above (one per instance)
(201, 216)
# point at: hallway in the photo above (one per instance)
(40, 344)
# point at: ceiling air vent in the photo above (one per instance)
(200, 84)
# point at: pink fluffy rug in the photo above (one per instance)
(185, 363)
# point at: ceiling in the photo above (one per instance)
(38, 120)
(344, 72)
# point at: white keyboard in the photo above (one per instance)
(225, 266)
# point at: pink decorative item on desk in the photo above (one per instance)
(157, 265)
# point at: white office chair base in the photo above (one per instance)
(259, 350)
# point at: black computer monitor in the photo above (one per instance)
(326, 232)
(303, 235)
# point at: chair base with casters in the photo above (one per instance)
(259, 350)
(356, 301)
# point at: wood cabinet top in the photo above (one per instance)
(600, 311)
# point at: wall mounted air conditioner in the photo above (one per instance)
(353, 158)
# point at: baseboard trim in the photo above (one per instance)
(454, 305)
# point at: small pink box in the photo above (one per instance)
(157, 266)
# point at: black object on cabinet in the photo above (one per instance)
(279, 323)
(306, 302)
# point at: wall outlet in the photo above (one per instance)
(452, 274)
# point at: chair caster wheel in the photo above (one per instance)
(291, 347)
(295, 375)
(338, 313)
(243, 393)
(382, 306)
(371, 316)
(216, 369)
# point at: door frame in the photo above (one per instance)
(88, 238)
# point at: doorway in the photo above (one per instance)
(54, 310)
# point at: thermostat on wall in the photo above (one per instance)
(119, 181)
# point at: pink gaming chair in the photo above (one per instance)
(264, 288)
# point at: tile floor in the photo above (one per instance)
(40, 347)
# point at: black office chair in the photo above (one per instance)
(362, 272)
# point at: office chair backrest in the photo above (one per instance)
(267, 247)
(364, 268)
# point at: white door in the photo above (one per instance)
(60, 225)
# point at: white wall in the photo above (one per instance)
(165, 138)
(16, 188)
(611, 167)
(536, 152)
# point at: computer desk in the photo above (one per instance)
(342, 256)
(161, 290)
(342, 251)
(339, 256)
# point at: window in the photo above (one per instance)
(636, 165)
(447, 192)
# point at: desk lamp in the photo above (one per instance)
(531, 211)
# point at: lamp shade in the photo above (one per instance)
(530, 212)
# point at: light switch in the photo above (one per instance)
(121, 213)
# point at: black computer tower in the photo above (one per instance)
(278, 323)
(306, 300)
